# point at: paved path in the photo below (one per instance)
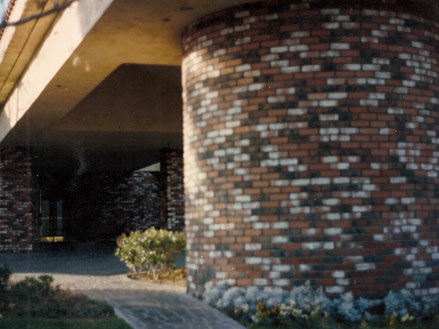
(101, 275)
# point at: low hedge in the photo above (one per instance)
(151, 250)
(38, 297)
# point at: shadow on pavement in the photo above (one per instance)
(79, 259)
(76, 259)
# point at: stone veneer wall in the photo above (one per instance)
(15, 200)
(311, 147)
(172, 172)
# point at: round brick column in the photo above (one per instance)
(311, 147)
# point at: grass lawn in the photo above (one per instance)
(38, 323)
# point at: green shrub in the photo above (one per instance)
(151, 250)
(37, 297)
(40, 323)
(5, 274)
(30, 295)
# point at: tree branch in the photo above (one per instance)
(56, 8)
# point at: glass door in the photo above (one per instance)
(51, 221)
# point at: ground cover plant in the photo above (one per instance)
(41, 304)
(150, 251)
(39, 323)
(334, 325)
(305, 307)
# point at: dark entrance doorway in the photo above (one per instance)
(51, 221)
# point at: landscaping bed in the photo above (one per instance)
(149, 256)
(306, 307)
(41, 323)
(336, 325)
(169, 277)
(37, 303)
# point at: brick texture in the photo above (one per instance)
(121, 202)
(105, 204)
(172, 189)
(16, 224)
(311, 147)
(134, 203)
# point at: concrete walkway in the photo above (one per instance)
(100, 275)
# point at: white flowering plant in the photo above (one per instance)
(269, 306)
(309, 307)
(348, 309)
(401, 307)
(430, 310)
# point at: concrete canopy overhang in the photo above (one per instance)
(55, 81)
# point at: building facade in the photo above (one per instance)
(309, 132)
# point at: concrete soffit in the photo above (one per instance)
(31, 54)
(50, 65)
(19, 44)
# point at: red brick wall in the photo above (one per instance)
(105, 204)
(15, 200)
(134, 203)
(311, 147)
(173, 192)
